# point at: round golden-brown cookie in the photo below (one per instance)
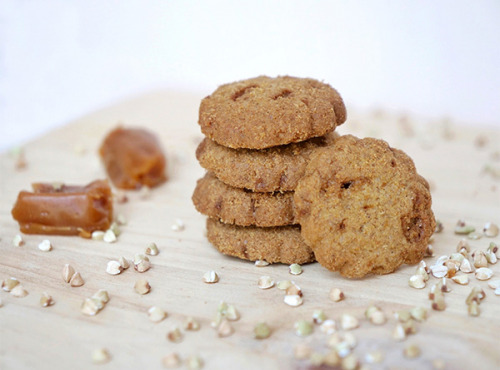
(363, 208)
(272, 244)
(242, 207)
(263, 112)
(274, 169)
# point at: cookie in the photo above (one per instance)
(241, 207)
(363, 208)
(263, 112)
(274, 169)
(272, 244)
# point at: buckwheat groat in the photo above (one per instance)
(263, 112)
(237, 206)
(363, 208)
(273, 169)
(272, 244)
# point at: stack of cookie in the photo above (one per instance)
(260, 134)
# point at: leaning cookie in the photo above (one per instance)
(263, 112)
(363, 208)
(231, 205)
(272, 244)
(274, 169)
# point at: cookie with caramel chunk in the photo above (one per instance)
(242, 207)
(363, 208)
(273, 169)
(282, 244)
(263, 112)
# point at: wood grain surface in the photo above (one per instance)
(461, 163)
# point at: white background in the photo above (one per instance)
(62, 59)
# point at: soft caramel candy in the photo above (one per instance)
(64, 209)
(133, 158)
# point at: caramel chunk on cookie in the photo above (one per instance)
(274, 169)
(272, 244)
(242, 207)
(263, 112)
(363, 208)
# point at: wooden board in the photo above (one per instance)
(460, 163)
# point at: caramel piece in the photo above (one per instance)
(133, 158)
(64, 209)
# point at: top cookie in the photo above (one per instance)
(263, 112)
(363, 208)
